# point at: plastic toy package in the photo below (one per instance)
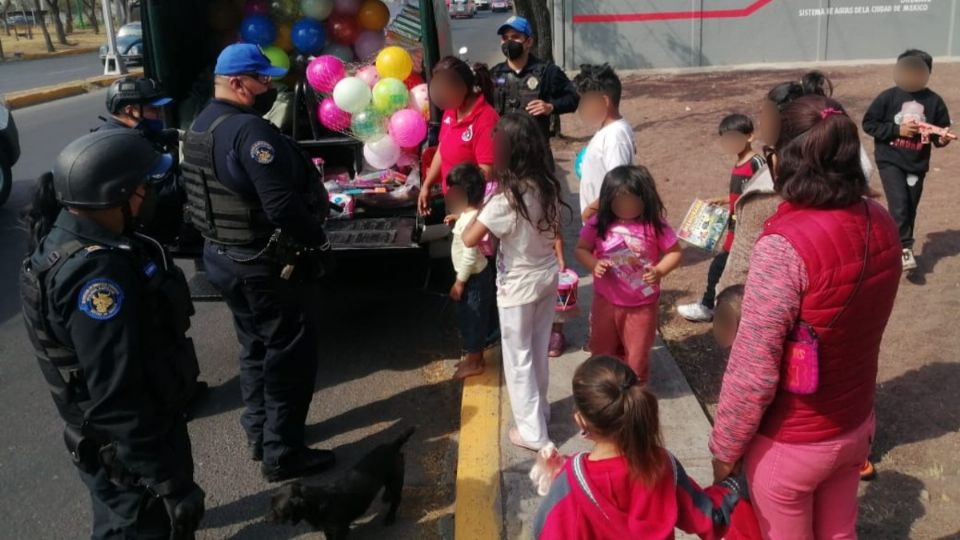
(704, 225)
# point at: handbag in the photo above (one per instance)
(800, 368)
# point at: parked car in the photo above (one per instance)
(129, 44)
(9, 150)
(463, 9)
(498, 6)
(14, 20)
(482, 4)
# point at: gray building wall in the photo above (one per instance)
(638, 34)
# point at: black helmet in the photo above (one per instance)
(134, 91)
(102, 169)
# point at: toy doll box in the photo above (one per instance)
(704, 225)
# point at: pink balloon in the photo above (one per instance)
(420, 99)
(347, 7)
(257, 7)
(369, 44)
(324, 72)
(332, 117)
(408, 128)
(369, 75)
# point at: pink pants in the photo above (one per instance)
(808, 491)
(624, 332)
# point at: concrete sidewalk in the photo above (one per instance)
(685, 426)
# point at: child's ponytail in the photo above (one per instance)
(483, 80)
(639, 436)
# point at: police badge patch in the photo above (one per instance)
(100, 299)
(533, 83)
(262, 152)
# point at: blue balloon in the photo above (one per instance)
(578, 163)
(308, 36)
(258, 29)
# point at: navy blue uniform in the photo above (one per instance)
(275, 318)
(538, 79)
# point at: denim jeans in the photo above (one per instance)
(478, 326)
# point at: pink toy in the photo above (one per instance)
(420, 99)
(256, 7)
(567, 290)
(408, 128)
(369, 75)
(332, 117)
(926, 130)
(324, 72)
(368, 44)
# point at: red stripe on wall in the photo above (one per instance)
(672, 15)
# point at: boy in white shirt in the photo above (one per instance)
(613, 145)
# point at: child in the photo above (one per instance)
(474, 290)
(613, 145)
(727, 320)
(629, 248)
(525, 216)
(903, 159)
(628, 486)
(736, 137)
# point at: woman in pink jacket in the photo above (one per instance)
(796, 407)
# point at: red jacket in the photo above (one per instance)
(832, 244)
(597, 500)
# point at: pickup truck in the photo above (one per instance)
(182, 39)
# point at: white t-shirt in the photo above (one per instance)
(527, 265)
(610, 148)
(466, 261)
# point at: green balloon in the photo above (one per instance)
(278, 57)
(389, 96)
(367, 125)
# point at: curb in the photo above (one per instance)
(45, 94)
(477, 510)
(56, 54)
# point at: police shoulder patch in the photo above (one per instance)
(262, 152)
(100, 299)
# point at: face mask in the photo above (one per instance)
(262, 103)
(512, 49)
(150, 125)
(146, 213)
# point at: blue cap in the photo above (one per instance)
(246, 59)
(161, 102)
(517, 23)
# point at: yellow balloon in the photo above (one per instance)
(394, 62)
(283, 37)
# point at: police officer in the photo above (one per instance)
(107, 313)
(527, 83)
(260, 205)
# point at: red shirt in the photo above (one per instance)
(468, 140)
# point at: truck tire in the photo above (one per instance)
(6, 183)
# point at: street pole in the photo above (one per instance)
(113, 63)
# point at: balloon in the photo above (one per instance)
(367, 125)
(343, 52)
(578, 162)
(332, 117)
(343, 29)
(347, 7)
(284, 40)
(308, 36)
(373, 15)
(324, 72)
(369, 43)
(316, 9)
(258, 29)
(256, 7)
(389, 96)
(285, 9)
(369, 75)
(381, 152)
(394, 62)
(352, 95)
(408, 128)
(278, 57)
(413, 80)
(408, 157)
(420, 99)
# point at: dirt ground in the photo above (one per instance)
(917, 493)
(81, 39)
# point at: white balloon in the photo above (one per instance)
(352, 95)
(382, 152)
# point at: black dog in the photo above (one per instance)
(332, 508)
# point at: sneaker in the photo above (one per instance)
(558, 344)
(695, 312)
(298, 462)
(255, 449)
(909, 261)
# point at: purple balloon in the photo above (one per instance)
(346, 7)
(408, 128)
(369, 44)
(324, 72)
(257, 7)
(333, 117)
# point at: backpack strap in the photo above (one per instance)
(581, 477)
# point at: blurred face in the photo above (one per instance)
(627, 206)
(734, 142)
(593, 108)
(911, 77)
(447, 91)
(456, 199)
(768, 125)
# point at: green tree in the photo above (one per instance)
(538, 14)
(43, 25)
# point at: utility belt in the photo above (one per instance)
(295, 260)
(92, 452)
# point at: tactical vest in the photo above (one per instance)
(220, 214)
(514, 92)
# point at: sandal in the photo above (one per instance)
(558, 344)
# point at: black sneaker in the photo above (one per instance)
(255, 448)
(298, 462)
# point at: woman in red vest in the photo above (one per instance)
(796, 407)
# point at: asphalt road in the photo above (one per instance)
(479, 35)
(27, 74)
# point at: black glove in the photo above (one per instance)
(185, 511)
